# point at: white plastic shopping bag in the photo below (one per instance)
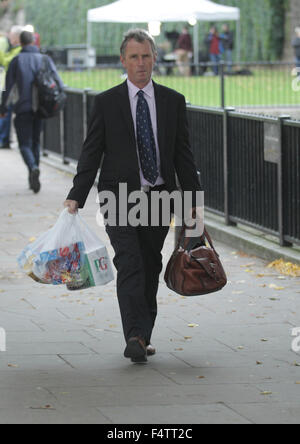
(61, 255)
(97, 269)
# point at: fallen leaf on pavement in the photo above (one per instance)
(275, 287)
(285, 268)
(45, 407)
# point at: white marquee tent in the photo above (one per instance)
(147, 11)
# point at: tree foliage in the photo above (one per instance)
(262, 28)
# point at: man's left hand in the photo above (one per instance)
(196, 222)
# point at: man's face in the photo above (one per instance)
(14, 39)
(139, 62)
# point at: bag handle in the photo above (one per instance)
(187, 239)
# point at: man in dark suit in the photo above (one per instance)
(139, 130)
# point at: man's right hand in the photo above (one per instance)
(72, 206)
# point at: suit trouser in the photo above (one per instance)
(138, 261)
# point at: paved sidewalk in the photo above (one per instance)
(222, 358)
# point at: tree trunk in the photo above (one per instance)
(292, 21)
(10, 15)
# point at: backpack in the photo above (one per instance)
(48, 96)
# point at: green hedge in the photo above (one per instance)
(62, 22)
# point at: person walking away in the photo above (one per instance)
(6, 56)
(184, 49)
(20, 76)
(214, 49)
(296, 46)
(227, 40)
(139, 132)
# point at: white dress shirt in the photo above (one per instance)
(150, 98)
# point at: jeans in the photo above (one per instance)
(28, 128)
(5, 124)
(215, 58)
(228, 59)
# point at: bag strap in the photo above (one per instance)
(44, 63)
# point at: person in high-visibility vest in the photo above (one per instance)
(5, 59)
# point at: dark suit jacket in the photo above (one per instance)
(111, 137)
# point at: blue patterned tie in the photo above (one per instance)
(145, 140)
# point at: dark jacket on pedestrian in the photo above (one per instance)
(185, 43)
(227, 40)
(20, 77)
(296, 46)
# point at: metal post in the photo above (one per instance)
(281, 206)
(222, 77)
(226, 167)
(62, 136)
(238, 41)
(85, 111)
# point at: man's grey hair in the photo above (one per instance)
(140, 36)
(297, 30)
(16, 30)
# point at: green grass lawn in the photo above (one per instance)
(266, 87)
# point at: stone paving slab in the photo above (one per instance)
(221, 414)
(222, 358)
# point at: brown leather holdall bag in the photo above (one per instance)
(197, 271)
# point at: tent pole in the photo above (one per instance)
(196, 46)
(89, 35)
(89, 41)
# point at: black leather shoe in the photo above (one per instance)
(136, 350)
(150, 350)
(35, 180)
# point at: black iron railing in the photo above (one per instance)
(249, 164)
(243, 85)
